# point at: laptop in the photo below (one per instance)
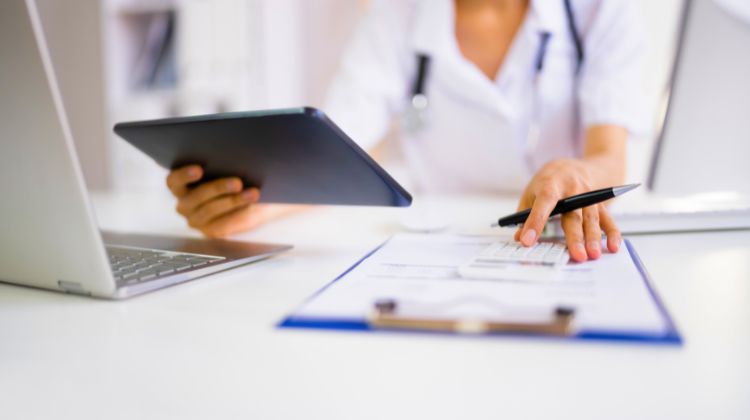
(698, 180)
(48, 234)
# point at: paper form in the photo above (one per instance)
(608, 294)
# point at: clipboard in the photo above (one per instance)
(384, 317)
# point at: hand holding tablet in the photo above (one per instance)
(224, 164)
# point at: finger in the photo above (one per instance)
(179, 179)
(592, 232)
(236, 221)
(523, 204)
(527, 199)
(540, 211)
(207, 192)
(572, 224)
(607, 223)
(221, 206)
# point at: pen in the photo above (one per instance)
(571, 203)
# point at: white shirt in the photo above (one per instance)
(477, 136)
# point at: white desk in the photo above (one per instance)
(210, 349)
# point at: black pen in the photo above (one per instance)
(571, 203)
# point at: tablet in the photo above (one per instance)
(293, 155)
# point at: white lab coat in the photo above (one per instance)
(477, 133)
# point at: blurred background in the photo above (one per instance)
(119, 60)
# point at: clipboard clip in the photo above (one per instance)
(385, 315)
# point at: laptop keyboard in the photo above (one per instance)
(135, 265)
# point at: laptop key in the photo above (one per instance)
(147, 276)
(141, 266)
(131, 266)
(130, 275)
(179, 266)
(162, 270)
(148, 273)
(198, 263)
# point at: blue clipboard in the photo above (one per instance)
(670, 335)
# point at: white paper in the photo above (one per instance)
(420, 271)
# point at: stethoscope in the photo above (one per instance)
(416, 111)
(415, 116)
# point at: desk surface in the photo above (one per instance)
(210, 349)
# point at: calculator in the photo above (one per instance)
(509, 260)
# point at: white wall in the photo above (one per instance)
(73, 33)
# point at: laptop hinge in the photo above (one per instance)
(72, 287)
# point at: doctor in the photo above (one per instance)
(494, 96)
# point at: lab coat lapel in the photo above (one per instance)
(516, 77)
(434, 34)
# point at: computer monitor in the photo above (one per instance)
(704, 145)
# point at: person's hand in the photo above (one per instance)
(217, 208)
(583, 228)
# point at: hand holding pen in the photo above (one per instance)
(583, 217)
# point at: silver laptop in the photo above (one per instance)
(700, 173)
(48, 235)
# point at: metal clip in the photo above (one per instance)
(385, 316)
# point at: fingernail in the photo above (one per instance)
(594, 244)
(250, 195)
(580, 253)
(614, 243)
(232, 185)
(529, 237)
(194, 172)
